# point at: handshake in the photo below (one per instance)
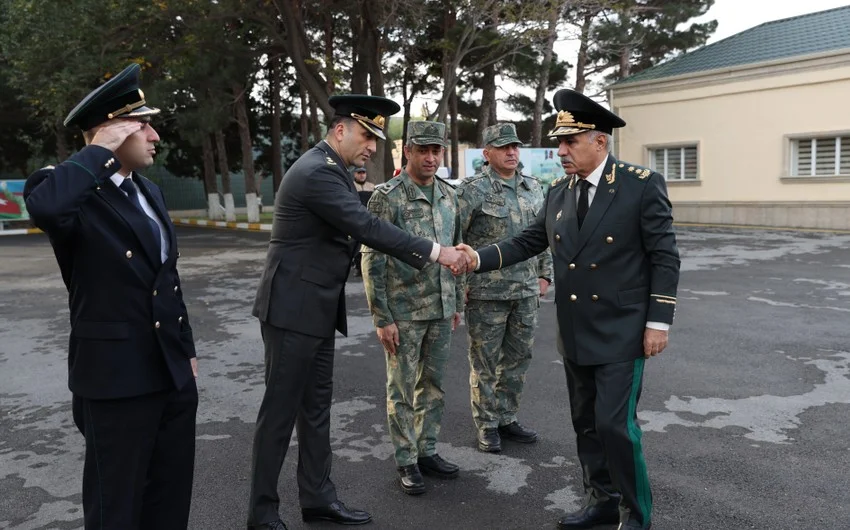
(459, 259)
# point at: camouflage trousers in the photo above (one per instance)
(415, 387)
(501, 337)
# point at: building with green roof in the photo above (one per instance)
(753, 129)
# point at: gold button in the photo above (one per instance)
(156, 324)
(175, 288)
(593, 266)
(557, 237)
(572, 266)
(349, 237)
(573, 298)
(179, 319)
(154, 292)
(129, 254)
(594, 298)
(609, 239)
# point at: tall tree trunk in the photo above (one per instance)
(239, 94)
(543, 80)
(61, 143)
(448, 66)
(581, 62)
(305, 119)
(214, 209)
(315, 132)
(408, 101)
(224, 171)
(455, 154)
(488, 103)
(625, 61)
(329, 52)
(277, 169)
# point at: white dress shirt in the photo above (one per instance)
(118, 179)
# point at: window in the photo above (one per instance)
(826, 156)
(675, 163)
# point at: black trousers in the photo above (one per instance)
(603, 403)
(299, 389)
(140, 459)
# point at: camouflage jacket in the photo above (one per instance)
(395, 290)
(490, 213)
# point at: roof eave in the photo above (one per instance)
(727, 71)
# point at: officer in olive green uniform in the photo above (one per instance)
(501, 313)
(415, 311)
(609, 225)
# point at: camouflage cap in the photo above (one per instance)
(426, 133)
(501, 134)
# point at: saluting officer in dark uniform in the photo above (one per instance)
(132, 357)
(610, 227)
(319, 223)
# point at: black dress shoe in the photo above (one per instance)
(590, 516)
(335, 513)
(412, 482)
(516, 432)
(489, 441)
(436, 466)
(274, 525)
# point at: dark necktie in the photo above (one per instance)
(133, 194)
(583, 186)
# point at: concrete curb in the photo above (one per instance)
(20, 231)
(251, 227)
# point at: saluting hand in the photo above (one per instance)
(112, 134)
(654, 342)
(388, 335)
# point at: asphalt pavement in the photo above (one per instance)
(745, 415)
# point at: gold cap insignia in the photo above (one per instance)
(566, 119)
(378, 121)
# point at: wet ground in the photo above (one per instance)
(745, 416)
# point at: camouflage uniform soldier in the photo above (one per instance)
(501, 313)
(414, 311)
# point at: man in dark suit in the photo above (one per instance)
(132, 356)
(610, 227)
(318, 225)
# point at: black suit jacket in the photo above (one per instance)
(318, 222)
(617, 273)
(130, 333)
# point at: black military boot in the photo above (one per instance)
(436, 466)
(489, 440)
(412, 482)
(516, 432)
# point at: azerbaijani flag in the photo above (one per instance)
(12, 200)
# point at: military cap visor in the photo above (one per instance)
(578, 113)
(120, 97)
(369, 111)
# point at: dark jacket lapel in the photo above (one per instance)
(568, 212)
(155, 200)
(602, 199)
(133, 217)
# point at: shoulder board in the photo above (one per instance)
(530, 177)
(560, 180)
(469, 181)
(388, 186)
(640, 172)
(445, 181)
